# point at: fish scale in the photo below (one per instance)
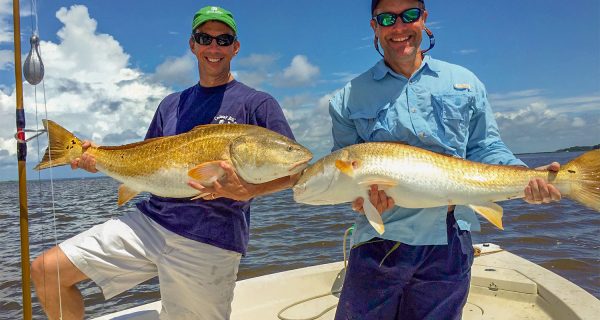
(448, 175)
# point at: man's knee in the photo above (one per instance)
(46, 267)
(39, 270)
(40, 273)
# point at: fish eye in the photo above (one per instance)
(290, 148)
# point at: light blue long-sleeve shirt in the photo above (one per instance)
(442, 107)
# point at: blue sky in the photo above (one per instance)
(108, 64)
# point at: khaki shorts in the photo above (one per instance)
(196, 279)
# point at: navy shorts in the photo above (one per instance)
(414, 282)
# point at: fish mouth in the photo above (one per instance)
(300, 195)
(298, 189)
(302, 164)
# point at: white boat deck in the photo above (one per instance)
(503, 286)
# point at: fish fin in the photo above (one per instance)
(585, 171)
(203, 126)
(206, 173)
(491, 211)
(126, 194)
(200, 196)
(380, 182)
(347, 166)
(63, 146)
(373, 216)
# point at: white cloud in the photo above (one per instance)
(299, 72)
(466, 51)
(434, 25)
(6, 34)
(548, 125)
(6, 60)
(89, 87)
(258, 61)
(87, 56)
(578, 122)
(254, 79)
(344, 77)
(576, 104)
(255, 70)
(310, 121)
(258, 70)
(512, 101)
(177, 71)
(515, 94)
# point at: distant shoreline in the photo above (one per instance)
(570, 149)
(580, 148)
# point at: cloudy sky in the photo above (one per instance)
(109, 63)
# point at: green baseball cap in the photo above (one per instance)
(211, 13)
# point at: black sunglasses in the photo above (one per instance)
(205, 39)
(387, 19)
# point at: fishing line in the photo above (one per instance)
(54, 229)
(38, 50)
(34, 14)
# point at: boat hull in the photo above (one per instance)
(503, 286)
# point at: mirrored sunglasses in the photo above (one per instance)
(205, 39)
(387, 19)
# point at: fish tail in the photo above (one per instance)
(584, 175)
(63, 146)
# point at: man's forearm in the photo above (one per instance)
(274, 186)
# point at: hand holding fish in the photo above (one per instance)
(86, 161)
(378, 198)
(232, 186)
(539, 191)
(229, 186)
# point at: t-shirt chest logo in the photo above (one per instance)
(221, 119)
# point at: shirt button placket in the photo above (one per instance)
(416, 120)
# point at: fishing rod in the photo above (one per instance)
(22, 159)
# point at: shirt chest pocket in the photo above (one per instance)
(370, 126)
(453, 112)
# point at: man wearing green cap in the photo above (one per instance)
(193, 246)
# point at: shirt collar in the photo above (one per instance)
(381, 69)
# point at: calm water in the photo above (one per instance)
(562, 237)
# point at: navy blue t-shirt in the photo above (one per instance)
(223, 222)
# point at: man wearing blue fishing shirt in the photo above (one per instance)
(193, 246)
(425, 254)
